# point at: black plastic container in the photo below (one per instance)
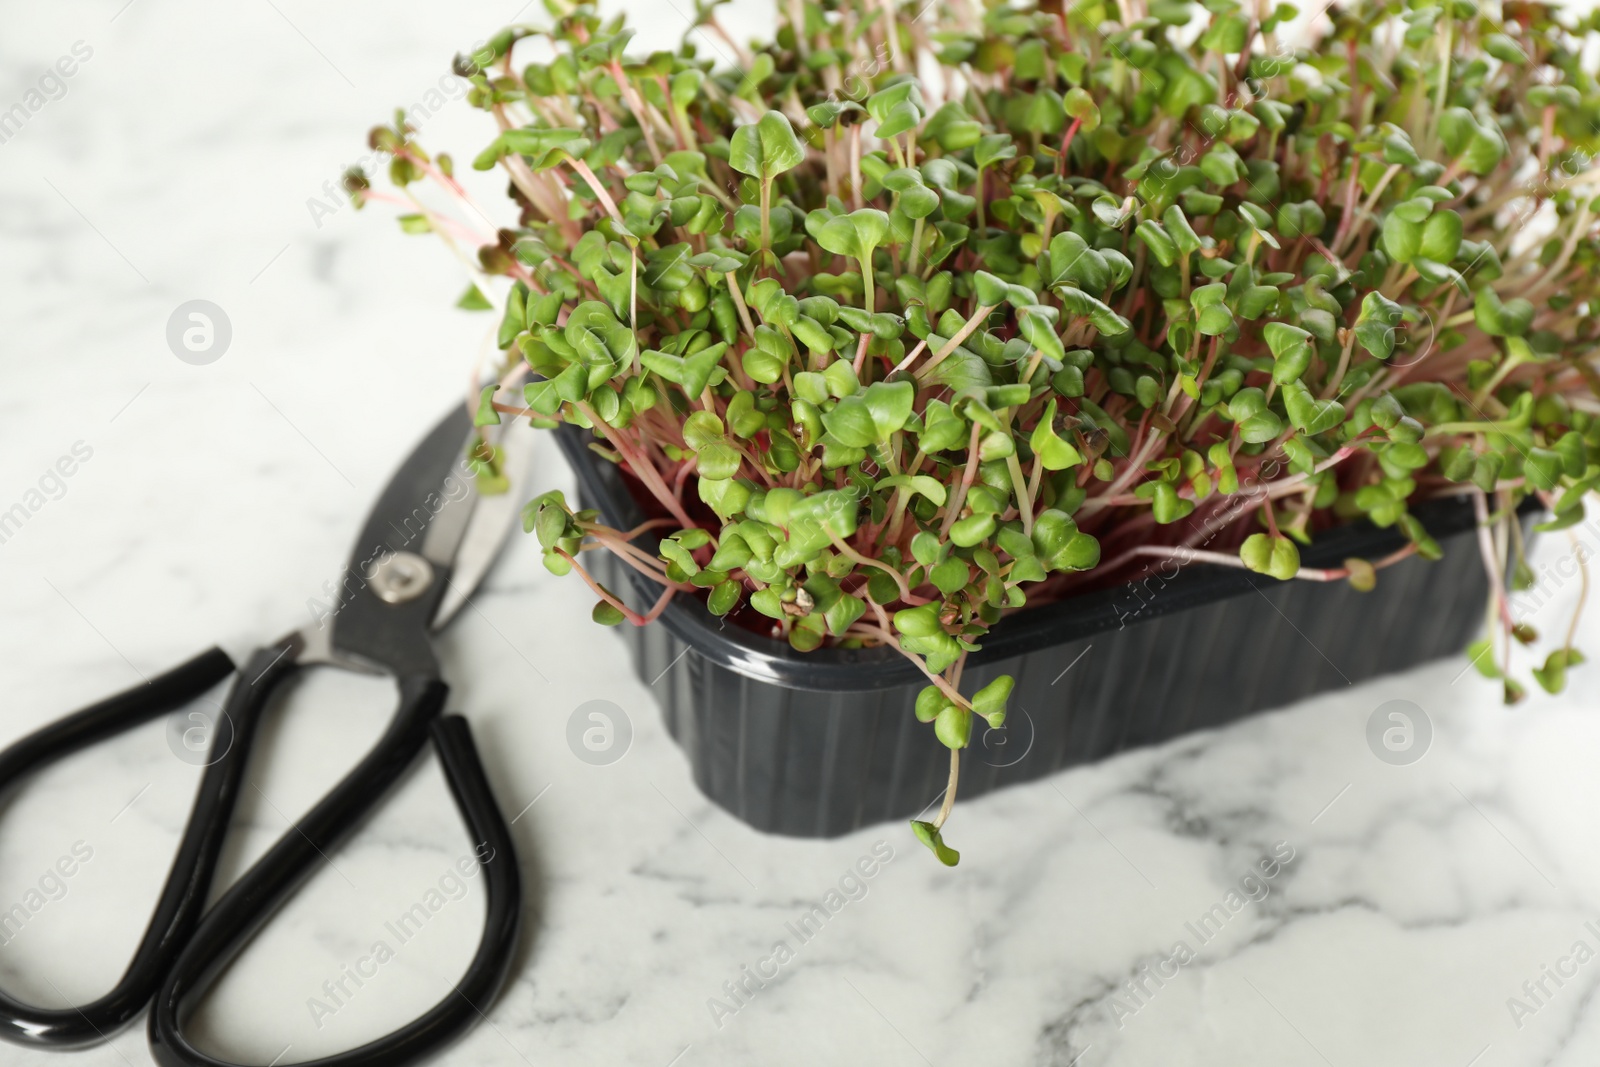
(820, 743)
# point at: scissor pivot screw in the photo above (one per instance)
(401, 577)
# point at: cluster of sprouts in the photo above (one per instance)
(924, 311)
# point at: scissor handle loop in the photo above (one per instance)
(249, 903)
(183, 897)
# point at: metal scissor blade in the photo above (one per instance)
(426, 545)
(428, 494)
(402, 564)
(490, 521)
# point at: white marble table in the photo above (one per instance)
(216, 500)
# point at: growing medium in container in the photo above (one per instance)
(920, 313)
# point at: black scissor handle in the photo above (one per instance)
(183, 897)
(249, 903)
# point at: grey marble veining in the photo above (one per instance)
(1429, 913)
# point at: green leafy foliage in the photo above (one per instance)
(888, 358)
(767, 148)
(929, 835)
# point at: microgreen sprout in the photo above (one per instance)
(922, 312)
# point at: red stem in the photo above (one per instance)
(1066, 143)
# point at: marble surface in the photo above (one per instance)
(1117, 915)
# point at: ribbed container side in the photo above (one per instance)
(820, 762)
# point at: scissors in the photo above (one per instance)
(426, 545)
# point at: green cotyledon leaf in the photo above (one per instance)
(766, 148)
